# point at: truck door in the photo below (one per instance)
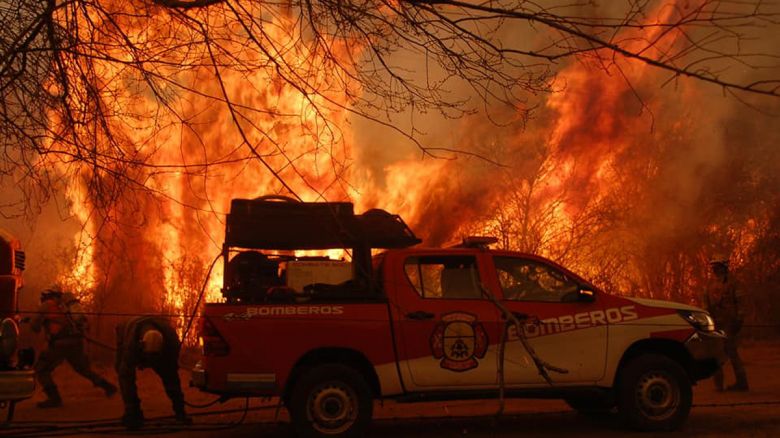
(444, 324)
(566, 328)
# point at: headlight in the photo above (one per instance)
(699, 320)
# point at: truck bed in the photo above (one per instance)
(259, 361)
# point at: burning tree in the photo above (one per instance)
(149, 116)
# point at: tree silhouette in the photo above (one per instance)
(88, 85)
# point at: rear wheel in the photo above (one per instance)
(331, 400)
(654, 393)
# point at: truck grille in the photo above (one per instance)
(19, 260)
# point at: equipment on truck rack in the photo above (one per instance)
(266, 230)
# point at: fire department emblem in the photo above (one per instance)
(459, 340)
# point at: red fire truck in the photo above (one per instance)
(17, 380)
(416, 324)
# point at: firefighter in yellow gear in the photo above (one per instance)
(65, 334)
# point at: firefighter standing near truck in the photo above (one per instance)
(723, 302)
(148, 342)
(65, 330)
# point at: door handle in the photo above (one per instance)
(420, 315)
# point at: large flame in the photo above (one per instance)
(141, 252)
(563, 184)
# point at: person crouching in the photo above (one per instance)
(148, 342)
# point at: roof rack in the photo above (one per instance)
(280, 223)
(478, 242)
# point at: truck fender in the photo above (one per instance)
(666, 347)
(343, 356)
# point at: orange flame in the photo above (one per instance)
(196, 168)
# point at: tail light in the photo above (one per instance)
(211, 342)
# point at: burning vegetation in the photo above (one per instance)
(150, 117)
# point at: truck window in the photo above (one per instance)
(444, 277)
(530, 280)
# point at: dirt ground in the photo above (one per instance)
(88, 413)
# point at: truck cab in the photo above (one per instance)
(416, 324)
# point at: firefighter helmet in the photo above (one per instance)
(152, 341)
(54, 291)
(719, 260)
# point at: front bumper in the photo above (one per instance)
(16, 385)
(234, 384)
(708, 353)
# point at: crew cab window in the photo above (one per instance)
(447, 277)
(530, 280)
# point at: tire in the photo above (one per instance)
(654, 393)
(594, 406)
(331, 400)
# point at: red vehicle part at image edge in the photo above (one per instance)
(17, 379)
(420, 324)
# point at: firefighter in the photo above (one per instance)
(65, 332)
(723, 302)
(148, 342)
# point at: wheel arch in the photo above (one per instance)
(343, 356)
(674, 350)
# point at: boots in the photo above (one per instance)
(53, 399)
(181, 416)
(49, 403)
(107, 387)
(183, 419)
(133, 419)
(741, 385)
(718, 379)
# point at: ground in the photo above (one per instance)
(88, 412)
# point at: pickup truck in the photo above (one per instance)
(418, 324)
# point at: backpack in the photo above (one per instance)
(71, 307)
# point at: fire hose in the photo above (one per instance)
(184, 335)
(200, 296)
(192, 405)
(189, 326)
(511, 320)
(161, 425)
(155, 426)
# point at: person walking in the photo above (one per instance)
(148, 342)
(65, 332)
(722, 300)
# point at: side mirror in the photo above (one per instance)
(585, 295)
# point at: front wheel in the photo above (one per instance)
(654, 393)
(331, 400)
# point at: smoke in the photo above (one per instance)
(630, 178)
(629, 182)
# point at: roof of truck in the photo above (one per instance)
(273, 224)
(492, 252)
